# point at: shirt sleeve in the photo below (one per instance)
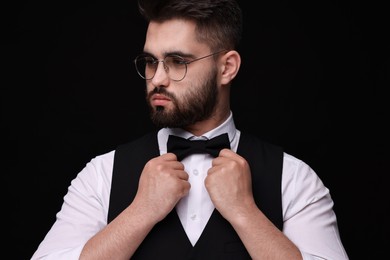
(309, 219)
(83, 212)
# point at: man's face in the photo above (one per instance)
(195, 104)
(192, 99)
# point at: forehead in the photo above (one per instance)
(175, 35)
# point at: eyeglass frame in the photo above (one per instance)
(165, 66)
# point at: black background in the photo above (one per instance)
(314, 79)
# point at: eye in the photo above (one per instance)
(175, 60)
(150, 60)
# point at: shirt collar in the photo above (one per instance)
(226, 127)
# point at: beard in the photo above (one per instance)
(197, 105)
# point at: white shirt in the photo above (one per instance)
(308, 217)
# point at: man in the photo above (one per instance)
(149, 200)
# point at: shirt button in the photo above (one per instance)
(196, 172)
(193, 217)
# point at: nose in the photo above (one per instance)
(161, 77)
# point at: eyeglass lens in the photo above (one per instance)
(175, 66)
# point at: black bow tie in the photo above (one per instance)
(184, 147)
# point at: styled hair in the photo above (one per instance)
(218, 22)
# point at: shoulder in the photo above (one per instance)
(301, 176)
(260, 152)
(295, 165)
(139, 150)
(252, 140)
(105, 160)
(142, 140)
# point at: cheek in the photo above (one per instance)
(149, 87)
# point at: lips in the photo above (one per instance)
(160, 100)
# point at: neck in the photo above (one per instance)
(209, 124)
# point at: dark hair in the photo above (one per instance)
(218, 22)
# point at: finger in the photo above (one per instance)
(170, 156)
(172, 159)
(182, 175)
(226, 153)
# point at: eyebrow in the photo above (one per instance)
(178, 53)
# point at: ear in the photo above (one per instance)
(231, 62)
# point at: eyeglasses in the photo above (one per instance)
(174, 65)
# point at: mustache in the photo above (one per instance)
(161, 90)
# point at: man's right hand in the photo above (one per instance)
(162, 184)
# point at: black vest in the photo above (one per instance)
(168, 240)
